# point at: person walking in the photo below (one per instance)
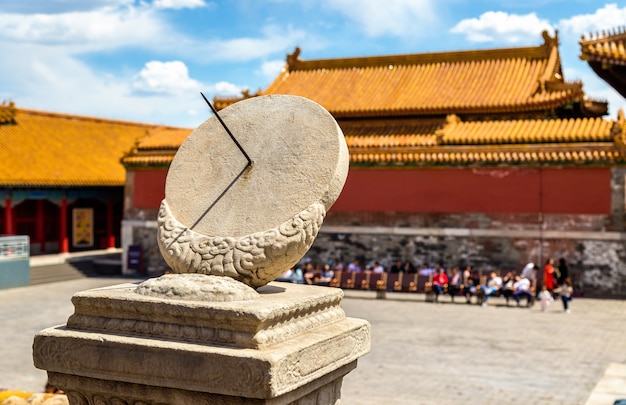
(566, 291)
(545, 298)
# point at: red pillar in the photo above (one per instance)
(40, 232)
(110, 235)
(64, 246)
(8, 217)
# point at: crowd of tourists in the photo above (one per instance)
(456, 282)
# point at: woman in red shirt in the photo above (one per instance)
(440, 282)
(548, 275)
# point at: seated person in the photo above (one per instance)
(440, 282)
(309, 274)
(288, 276)
(425, 270)
(521, 288)
(471, 280)
(378, 268)
(354, 266)
(397, 267)
(507, 286)
(493, 286)
(455, 284)
(326, 276)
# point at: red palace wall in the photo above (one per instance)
(553, 191)
(148, 188)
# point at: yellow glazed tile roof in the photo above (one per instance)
(164, 138)
(565, 130)
(452, 142)
(49, 149)
(390, 133)
(599, 154)
(487, 81)
(157, 148)
(558, 141)
(605, 47)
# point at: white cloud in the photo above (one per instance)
(141, 27)
(101, 29)
(273, 39)
(398, 18)
(608, 17)
(164, 77)
(47, 71)
(498, 26)
(226, 89)
(178, 4)
(45, 79)
(270, 69)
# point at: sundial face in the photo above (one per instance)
(299, 158)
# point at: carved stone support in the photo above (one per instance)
(129, 344)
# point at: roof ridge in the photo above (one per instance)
(92, 119)
(532, 52)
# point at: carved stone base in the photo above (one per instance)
(288, 344)
(89, 391)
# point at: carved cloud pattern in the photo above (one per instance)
(254, 259)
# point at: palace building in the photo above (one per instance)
(61, 179)
(484, 157)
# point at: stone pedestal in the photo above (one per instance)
(183, 340)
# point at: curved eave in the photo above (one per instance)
(460, 110)
(603, 59)
(139, 161)
(605, 154)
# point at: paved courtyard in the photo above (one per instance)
(422, 353)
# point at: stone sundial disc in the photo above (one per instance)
(222, 216)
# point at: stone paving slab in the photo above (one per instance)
(425, 353)
(24, 311)
(611, 387)
(422, 353)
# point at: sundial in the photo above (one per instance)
(247, 191)
(245, 197)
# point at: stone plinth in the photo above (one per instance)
(170, 342)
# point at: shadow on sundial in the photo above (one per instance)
(219, 197)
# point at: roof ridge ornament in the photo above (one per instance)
(548, 40)
(293, 59)
(7, 112)
(451, 121)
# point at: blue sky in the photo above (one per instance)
(147, 61)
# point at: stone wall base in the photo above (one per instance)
(597, 259)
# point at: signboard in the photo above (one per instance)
(83, 227)
(135, 259)
(14, 261)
